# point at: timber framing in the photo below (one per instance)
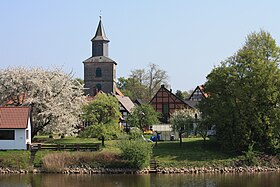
(165, 102)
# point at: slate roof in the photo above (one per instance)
(139, 101)
(99, 59)
(100, 33)
(125, 102)
(14, 117)
(192, 104)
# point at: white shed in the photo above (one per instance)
(166, 132)
(15, 128)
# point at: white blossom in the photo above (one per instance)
(55, 97)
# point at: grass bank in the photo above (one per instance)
(14, 159)
(193, 153)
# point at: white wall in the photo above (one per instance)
(166, 131)
(18, 143)
(28, 141)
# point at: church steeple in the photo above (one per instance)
(99, 69)
(100, 41)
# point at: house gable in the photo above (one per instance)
(15, 127)
(14, 117)
(165, 102)
(198, 94)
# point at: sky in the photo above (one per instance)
(186, 38)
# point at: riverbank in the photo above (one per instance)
(169, 170)
(193, 157)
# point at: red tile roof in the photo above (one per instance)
(118, 92)
(14, 117)
(16, 100)
(201, 87)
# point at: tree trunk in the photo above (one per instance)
(103, 139)
(156, 138)
(180, 136)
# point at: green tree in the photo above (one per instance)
(143, 116)
(183, 94)
(132, 87)
(182, 121)
(244, 94)
(103, 113)
(202, 128)
(154, 78)
(143, 83)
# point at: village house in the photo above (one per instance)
(165, 102)
(126, 106)
(15, 128)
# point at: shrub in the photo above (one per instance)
(57, 162)
(135, 134)
(136, 152)
(110, 160)
(97, 159)
(250, 156)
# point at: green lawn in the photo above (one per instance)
(194, 152)
(14, 159)
(167, 153)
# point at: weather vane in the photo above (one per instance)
(100, 14)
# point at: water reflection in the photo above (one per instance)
(203, 180)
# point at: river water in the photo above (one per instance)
(270, 179)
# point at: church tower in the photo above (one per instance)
(99, 69)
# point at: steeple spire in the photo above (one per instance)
(100, 33)
(99, 69)
(100, 41)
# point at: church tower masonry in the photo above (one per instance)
(99, 69)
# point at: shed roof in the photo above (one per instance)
(14, 117)
(125, 102)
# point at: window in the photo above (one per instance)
(27, 134)
(98, 72)
(165, 109)
(165, 112)
(99, 87)
(7, 135)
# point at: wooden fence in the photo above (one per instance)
(67, 147)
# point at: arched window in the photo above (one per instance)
(99, 87)
(98, 72)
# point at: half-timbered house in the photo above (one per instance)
(165, 102)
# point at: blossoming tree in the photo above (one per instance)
(55, 97)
